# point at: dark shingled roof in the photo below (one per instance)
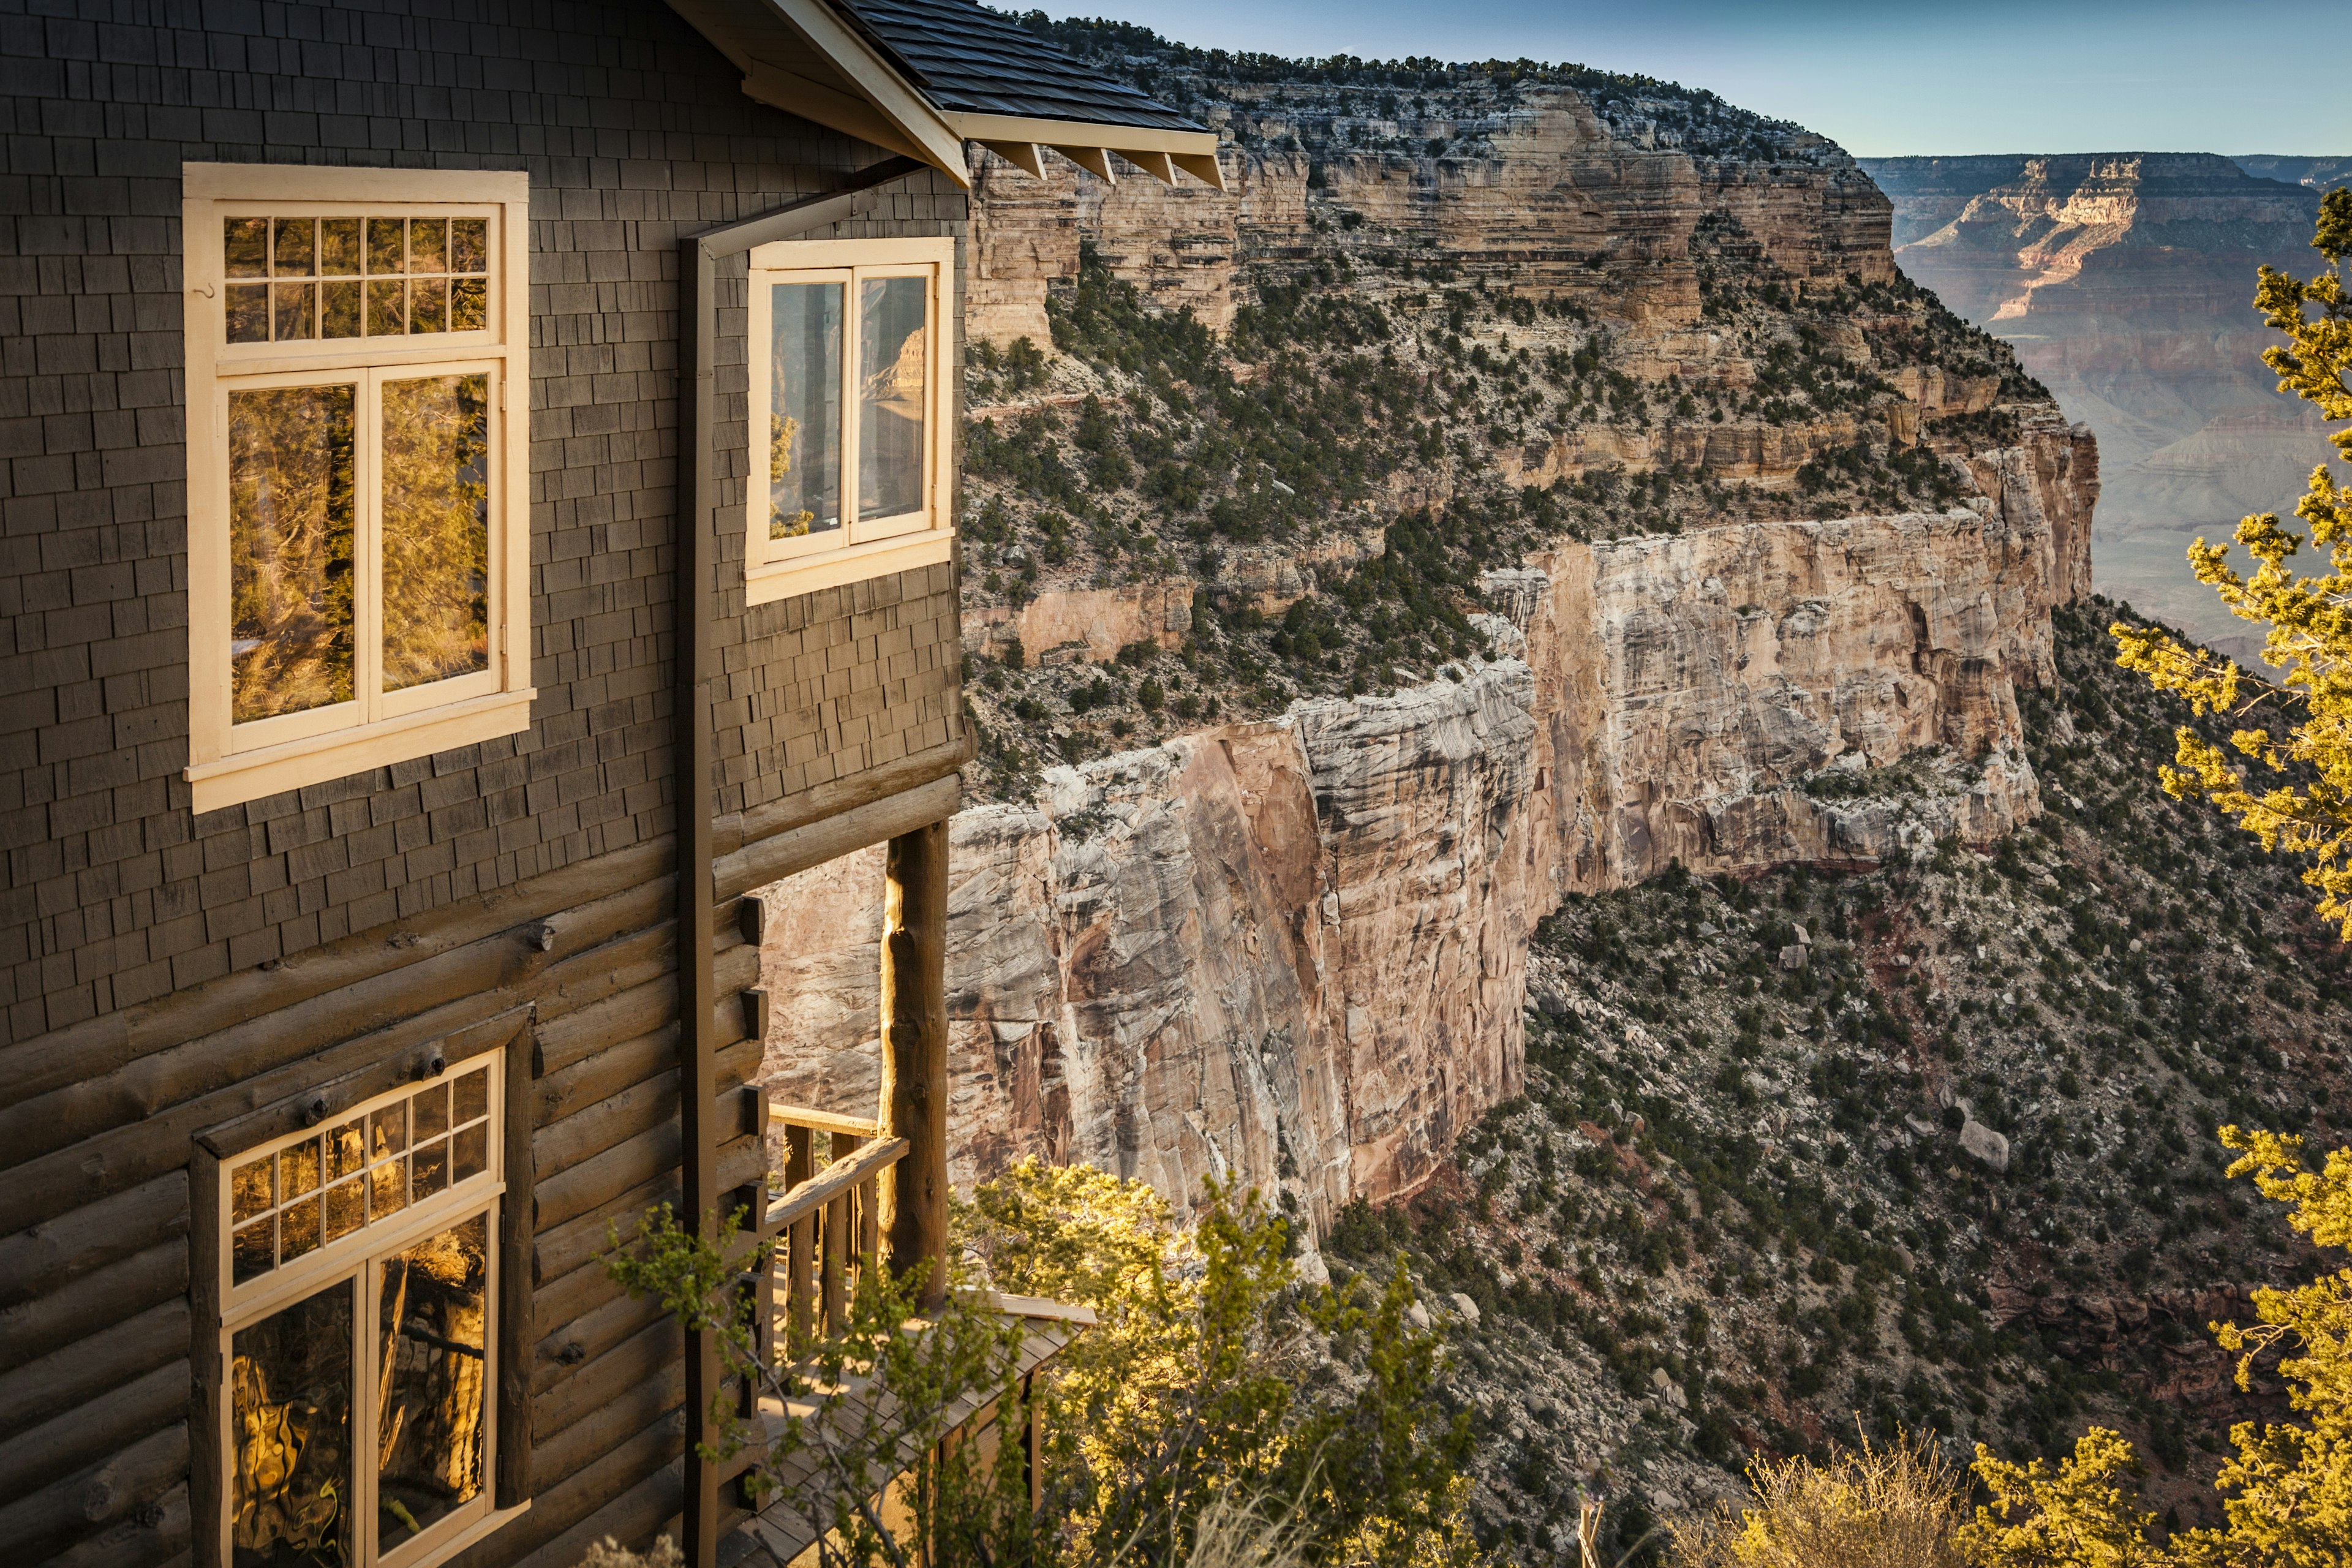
(966, 58)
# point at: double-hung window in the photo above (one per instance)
(358, 469)
(849, 412)
(358, 1285)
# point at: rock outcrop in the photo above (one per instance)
(2123, 281)
(1293, 953)
(1539, 195)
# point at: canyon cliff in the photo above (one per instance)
(1761, 581)
(2123, 282)
(1293, 953)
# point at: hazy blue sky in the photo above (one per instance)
(2010, 76)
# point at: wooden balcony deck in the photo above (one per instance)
(823, 1225)
(781, 1536)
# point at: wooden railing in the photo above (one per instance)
(823, 1212)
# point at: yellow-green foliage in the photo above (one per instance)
(2309, 809)
(1876, 1507)
(2084, 1511)
(2291, 1486)
(2287, 1492)
(1199, 1381)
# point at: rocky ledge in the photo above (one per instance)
(1293, 952)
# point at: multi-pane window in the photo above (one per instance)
(848, 404)
(359, 1364)
(352, 277)
(357, 465)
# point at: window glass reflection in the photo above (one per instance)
(436, 529)
(892, 340)
(350, 277)
(290, 1435)
(290, 525)
(433, 1334)
(804, 410)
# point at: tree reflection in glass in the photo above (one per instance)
(436, 529)
(290, 517)
(433, 1326)
(804, 410)
(891, 340)
(290, 1433)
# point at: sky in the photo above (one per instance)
(1883, 78)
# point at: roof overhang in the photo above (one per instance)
(801, 57)
(1156, 152)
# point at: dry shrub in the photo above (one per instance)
(1891, 1507)
(1233, 1533)
(610, 1553)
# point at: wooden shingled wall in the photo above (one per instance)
(163, 972)
(95, 1329)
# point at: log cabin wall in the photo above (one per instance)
(162, 972)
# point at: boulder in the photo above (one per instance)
(1989, 1147)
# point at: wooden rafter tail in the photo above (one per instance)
(1026, 156)
(1095, 160)
(1203, 166)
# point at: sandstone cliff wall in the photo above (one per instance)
(1551, 204)
(1293, 953)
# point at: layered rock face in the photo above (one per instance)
(1293, 953)
(2122, 280)
(1545, 199)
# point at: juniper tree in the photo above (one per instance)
(2304, 745)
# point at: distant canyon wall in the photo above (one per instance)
(1293, 953)
(2124, 281)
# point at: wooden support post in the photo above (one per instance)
(799, 1164)
(690, 789)
(915, 1054)
(869, 1223)
(834, 1270)
(840, 1240)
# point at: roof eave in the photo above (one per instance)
(1156, 149)
(869, 98)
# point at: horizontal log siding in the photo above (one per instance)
(95, 1332)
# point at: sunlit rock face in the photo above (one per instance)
(2123, 282)
(1293, 954)
(1282, 953)
(1550, 202)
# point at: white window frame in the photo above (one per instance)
(778, 569)
(228, 762)
(356, 1261)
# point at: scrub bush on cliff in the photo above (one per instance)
(1200, 1402)
(2287, 1491)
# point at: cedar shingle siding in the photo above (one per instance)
(634, 130)
(162, 974)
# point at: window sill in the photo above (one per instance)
(488, 1524)
(250, 775)
(850, 563)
